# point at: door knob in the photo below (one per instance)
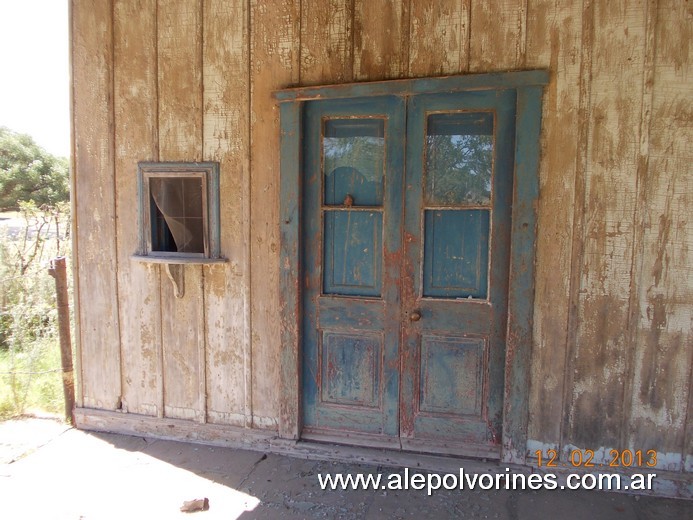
(415, 316)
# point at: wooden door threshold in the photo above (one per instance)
(423, 446)
(455, 449)
(356, 439)
(325, 447)
(388, 457)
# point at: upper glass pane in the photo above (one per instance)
(353, 161)
(459, 158)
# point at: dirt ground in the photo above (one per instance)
(51, 471)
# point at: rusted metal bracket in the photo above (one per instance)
(176, 273)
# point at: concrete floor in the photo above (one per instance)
(50, 471)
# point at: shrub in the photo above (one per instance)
(29, 348)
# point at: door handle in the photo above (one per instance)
(415, 316)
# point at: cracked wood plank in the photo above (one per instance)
(95, 243)
(136, 139)
(226, 135)
(180, 137)
(274, 50)
(663, 280)
(439, 38)
(554, 34)
(597, 365)
(497, 35)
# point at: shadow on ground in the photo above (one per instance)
(289, 488)
(81, 475)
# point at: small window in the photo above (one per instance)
(179, 210)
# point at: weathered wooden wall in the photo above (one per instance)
(191, 80)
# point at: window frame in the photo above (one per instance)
(208, 173)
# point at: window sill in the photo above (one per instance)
(177, 260)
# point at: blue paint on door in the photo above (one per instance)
(353, 168)
(352, 252)
(456, 253)
(406, 268)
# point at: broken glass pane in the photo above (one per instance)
(179, 208)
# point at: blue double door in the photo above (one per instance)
(405, 254)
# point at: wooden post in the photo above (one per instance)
(57, 270)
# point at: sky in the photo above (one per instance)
(34, 71)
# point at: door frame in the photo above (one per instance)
(528, 86)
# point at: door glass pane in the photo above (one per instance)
(353, 160)
(352, 261)
(456, 253)
(459, 158)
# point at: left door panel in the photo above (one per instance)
(352, 210)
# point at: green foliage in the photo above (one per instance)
(29, 380)
(365, 153)
(29, 345)
(458, 168)
(29, 173)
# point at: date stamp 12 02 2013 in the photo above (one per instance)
(580, 458)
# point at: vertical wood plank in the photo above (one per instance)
(95, 245)
(381, 39)
(326, 42)
(497, 35)
(663, 278)
(554, 34)
(290, 413)
(439, 38)
(577, 250)
(274, 54)
(74, 267)
(521, 290)
(180, 139)
(595, 379)
(135, 107)
(226, 131)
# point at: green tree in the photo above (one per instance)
(458, 168)
(30, 173)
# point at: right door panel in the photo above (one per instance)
(457, 210)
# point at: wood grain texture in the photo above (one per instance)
(290, 379)
(521, 291)
(381, 39)
(180, 139)
(326, 41)
(554, 33)
(598, 361)
(274, 51)
(95, 243)
(74, 270)
(192, 80)
(174, 429)
(136, 139)
(664, 275)
(497, 35)
(439, 38)
(227, 286)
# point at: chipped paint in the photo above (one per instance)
(608, 359)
